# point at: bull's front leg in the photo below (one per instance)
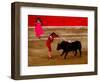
(62, 53)
(65, 55)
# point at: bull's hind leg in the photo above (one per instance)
(65, 55)
(80, 52)
(75, 52)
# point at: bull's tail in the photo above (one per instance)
(80, 45)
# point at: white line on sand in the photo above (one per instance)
(61, 27)
(63, 38)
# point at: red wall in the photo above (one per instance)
(58, 20)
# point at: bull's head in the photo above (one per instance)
(58, 46)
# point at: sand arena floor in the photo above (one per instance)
(38, 52)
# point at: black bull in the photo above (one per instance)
(69, 46)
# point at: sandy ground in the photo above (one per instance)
(38, 52)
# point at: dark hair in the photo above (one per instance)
(53, 33)
(39, 20)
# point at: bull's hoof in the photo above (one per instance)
(65, 58)
(75, 55)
